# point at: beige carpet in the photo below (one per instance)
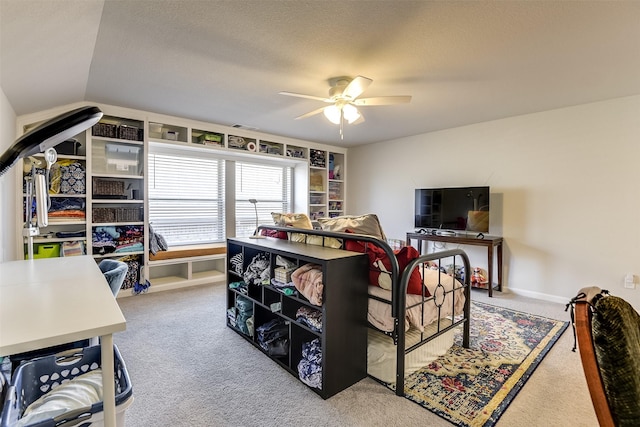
(189, 369)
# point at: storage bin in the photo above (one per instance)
(36, 377)
(211, 139)
(122, 158)
(117, 214)
(128, 132)
(104, 187)
(170, 135)
(103, 214)
(51, 250)
(315, 200)
(105, 129)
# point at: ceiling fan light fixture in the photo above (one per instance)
(351, 113)
(332, 113)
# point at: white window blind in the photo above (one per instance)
(269, 185)
(186, 197)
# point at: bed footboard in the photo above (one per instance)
(441, 298)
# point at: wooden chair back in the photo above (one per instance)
(584, 335)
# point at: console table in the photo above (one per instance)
(490, 242)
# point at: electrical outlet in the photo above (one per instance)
(629, 281)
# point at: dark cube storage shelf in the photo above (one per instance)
(343, 338)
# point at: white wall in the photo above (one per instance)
(8, 233)
(565, 191)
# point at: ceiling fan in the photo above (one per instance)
(343, 97)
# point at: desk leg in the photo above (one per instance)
(418, 244)
(108, 384)
(490, 269)
(500, 267)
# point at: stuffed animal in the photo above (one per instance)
(479, 277)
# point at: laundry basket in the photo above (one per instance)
(36, 377)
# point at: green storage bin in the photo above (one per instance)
(210, 138)
(50, 250)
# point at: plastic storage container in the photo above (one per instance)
(35, 378)
(123, 159)
(49, 250)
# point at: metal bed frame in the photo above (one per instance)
(399, 291)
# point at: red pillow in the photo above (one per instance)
(274, 233)
(380, 266)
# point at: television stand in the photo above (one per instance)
(490, 242)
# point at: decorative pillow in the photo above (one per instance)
(616, 339)
(274, 233)
(380, 265)
(329, 242)
(295, 220)
(301, 220)
(367, 224)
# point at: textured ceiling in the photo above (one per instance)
(225, 61)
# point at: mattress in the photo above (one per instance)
(381, 352)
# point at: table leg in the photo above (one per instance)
(500, 267)
(108, 384)
(490, 269)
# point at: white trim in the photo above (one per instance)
(539, 295)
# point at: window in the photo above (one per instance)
(186, 196)
(269, 185)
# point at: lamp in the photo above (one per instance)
(49, 134)
(42, 139)
(339, 112)
(255, 207)
(333, 114)
(351, 113)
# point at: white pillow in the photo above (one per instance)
(367, 224)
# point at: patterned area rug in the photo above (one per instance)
(474, 386)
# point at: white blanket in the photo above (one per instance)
(80, 392)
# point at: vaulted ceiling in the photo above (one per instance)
(224, 62)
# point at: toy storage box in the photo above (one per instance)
(34, 378)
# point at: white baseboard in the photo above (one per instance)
(539, 295)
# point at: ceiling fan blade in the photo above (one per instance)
(355, 88)
(311, 113)
(300, 95)
(382, 100)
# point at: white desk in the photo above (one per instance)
(45, 302)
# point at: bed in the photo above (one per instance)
(406, 330)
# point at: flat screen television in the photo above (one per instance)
(459, 208)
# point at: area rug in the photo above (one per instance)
(474, 386)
